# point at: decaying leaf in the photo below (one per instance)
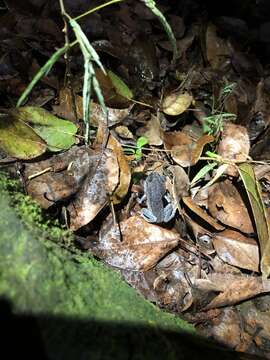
(179, 186)
(226, 205)
(58, 177)
(93, 195)
(253, 189)
(18, 139)
(59, 134)
(139, 247)
(176, 103)
(233, 288)
(237, 249)
(234, 145)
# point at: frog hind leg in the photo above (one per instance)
(169, 212)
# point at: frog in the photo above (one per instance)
(156, 196)
(142, 57)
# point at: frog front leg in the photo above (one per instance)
(148, 215)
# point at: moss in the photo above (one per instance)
(40, 276)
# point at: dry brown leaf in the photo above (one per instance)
(198, 149)
(179, 186)
(202, 214)
(234, 145)
(226, 205)
(123, 132)
(217, 49)
(237, 249)
(65, 109)
(176, 103)
(58, 177)
(93, 195)
(185, 151)
(125, 173)
(233, 288)
(152, 131)
(182, 146)
(142, 244)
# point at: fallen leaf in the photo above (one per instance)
(65, 109)
(59, 134)
(18, 139)
(234, 145)
(124, 169)
(201, 213)
(58, 177)
(152, 131)
(176, 103)
(253, 190)
(93, 195)
(237, 250)
(233, 288)
(142, 244)
(185, 151)
(226, 205)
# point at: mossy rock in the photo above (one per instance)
(59, 304)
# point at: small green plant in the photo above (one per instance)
(213, 124)
(137, 150)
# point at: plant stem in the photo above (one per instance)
(96, 8)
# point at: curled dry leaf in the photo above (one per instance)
(185, 151)
(142, 246)
(101, 181)
(59, 177)
(234, 145)
(176, 103)
(237, 249)
(179, 186)
(124, 171)
(233, 288)
(226, 205)
(201, 213)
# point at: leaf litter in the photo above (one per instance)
(200, 124)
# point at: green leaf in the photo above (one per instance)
(59, 134)
(253, 190)
(120, 87)
(219, 172)
(141, 142)
(200, 174)
(18, 139)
